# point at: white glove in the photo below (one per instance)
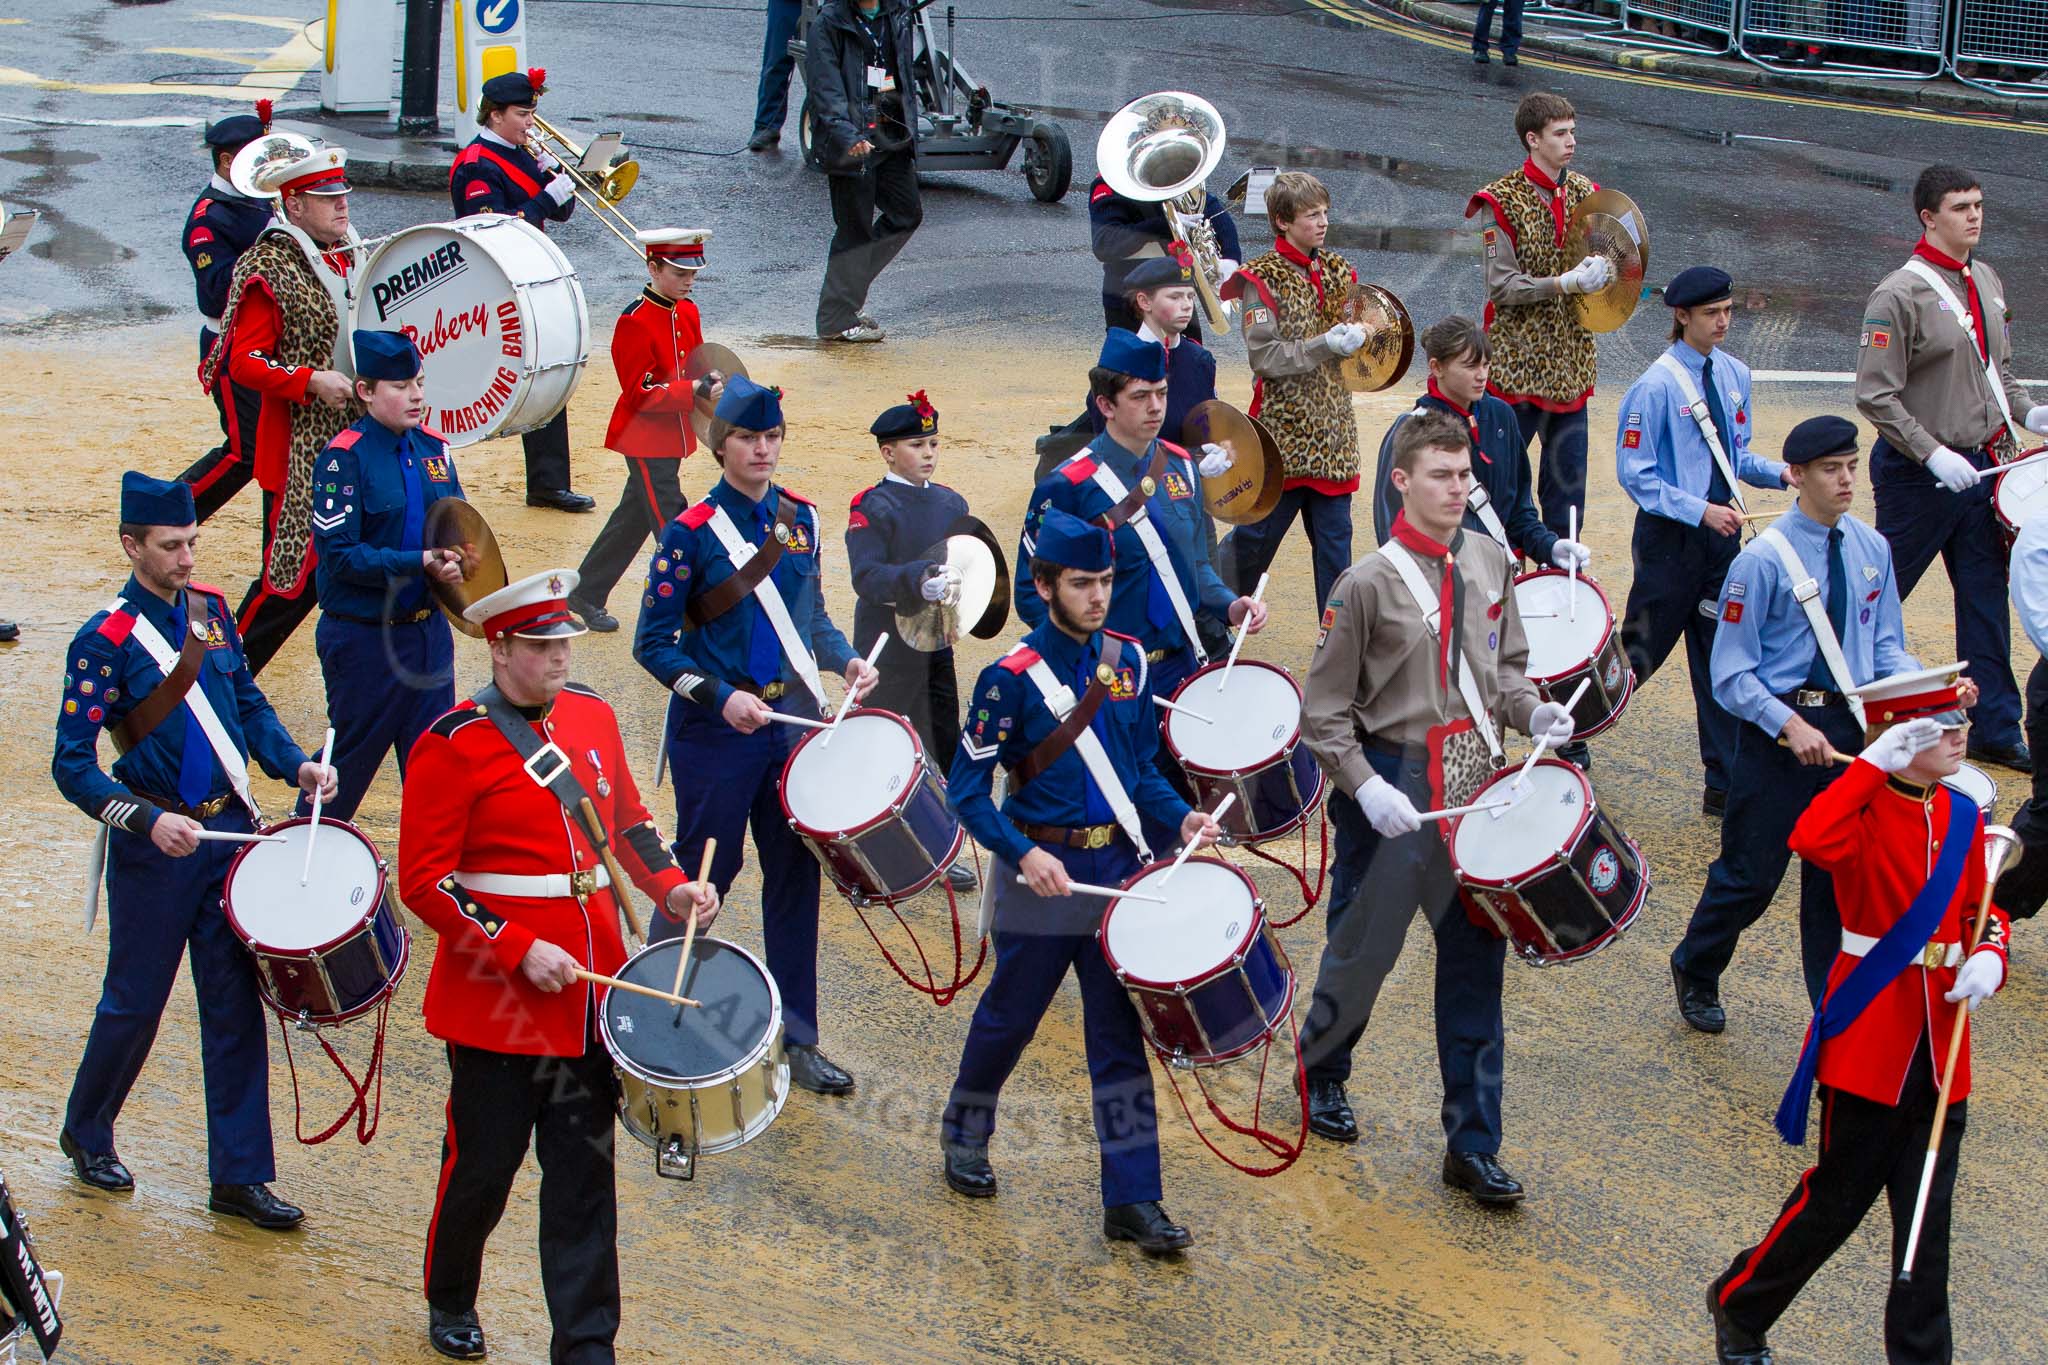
(1215, 460)
(1978, 979)
(1955, 473)
(1570, 554)
(1387, 809)
(1588, 275)
(940, 583)
(2037, 420)
(1891, 751)
(1553, 722)
(561, 188)
(1345, 338)
(1225, 268)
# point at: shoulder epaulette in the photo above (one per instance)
(695, 516)
(1017, 660)
(346, 439)
(794, 496)
(855, 504)
(116, 626)
(583, 690)
(453, 719)
(432, 434)
(1078, 470)
(1121, 636)
(1173, 450)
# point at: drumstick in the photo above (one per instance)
(805, 721)
(1572, 533)
(326, 752)
(1543, 740)
(600, 979)
(690, 934)
(1184, 710)
(1833, 756)
(1449, 811)
(230, 837)
(2035, 457)
(1238, 643)
(594, 827)
(848, 703)
(1189, 846)
(1106, 892)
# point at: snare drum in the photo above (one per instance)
(696, 1080)
(1552, 874)
(871, 808)
(1209, 978)
(331, 949)
(1563, 647)
(1244, 737)
(1978, 785)
(2022, 494)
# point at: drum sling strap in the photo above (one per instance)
(1468, 681)
(1482, 507)
(1696, 408)
(1130, 508)
(1806, 589)
(1063, 736)
(744, 558)
(1962, 316)
(1059, 699)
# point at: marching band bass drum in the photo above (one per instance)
(498, 314)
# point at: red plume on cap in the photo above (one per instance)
(537, 76)
(920, 402)
(263, 114)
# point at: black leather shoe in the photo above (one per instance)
(562, 500)
(101, 1170)
(1329, 1112)
(9, 631)
(594, 616)
(1699, 1002)
(967, 1169)
(1480, 59)
(1481, 1176)
(2014, 756)
(1579, 754)
(459, 1336)
(1732, 1345)
(763, 139)
(1147, 1225)
(812, 1070)
(960, 876)
(257, 1204)
(1714, 802)
(1510, 59)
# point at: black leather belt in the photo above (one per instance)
(1407, 753)
(414, 619)
(1084, 836)
(774, 691)
(205, 810)
(1810, 697)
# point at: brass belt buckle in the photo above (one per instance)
(1933, 955)
(583, 883)
(1098, 837)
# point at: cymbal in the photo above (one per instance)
(1608, 223)
(706, 357)
(980, 608)
(453, 524)
(1250, 488)
(1389, 340)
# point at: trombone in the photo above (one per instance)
(599, 191)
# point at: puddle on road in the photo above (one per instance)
(49, 156)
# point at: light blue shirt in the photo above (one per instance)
(1764, 646)
(2029, 576)
(1669, 467)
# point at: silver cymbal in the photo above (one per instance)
(979, 605)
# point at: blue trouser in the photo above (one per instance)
(1376, 885)
(726, 783)
(1922, 519)
(158, 907)
(1037, 940)
(1510, 25)
(771, 101)
(1676, 592)
(1248, 551)
(1561, 478)
(1768, 790)
(385, 685)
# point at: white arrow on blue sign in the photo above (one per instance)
(496, 16)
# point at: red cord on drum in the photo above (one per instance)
(1288, 1152)
(941, 995)
(1300, 874)
(367, 1111)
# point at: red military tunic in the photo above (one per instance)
(651, 420)
(1879, 838)
(469, 806)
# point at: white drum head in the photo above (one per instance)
(1976, 784)
(274, 911)
(1250, 719)
(1535, 829)
(1206, 920)
(2022, 494)
(1557, 643)
(871, 760)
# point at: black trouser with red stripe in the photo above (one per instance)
(222, 472)
(651, 499)
(267, 617)
(1866, 1148)
(496, 1100)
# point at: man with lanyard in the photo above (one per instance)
(162, 668)
(223, 224)
(1544, 359)
(2024, 887)
(1683, 442)
(513, 884)
(734, 623)
(1934, 376)
(283, 339)
(502, 172)
(1907, 857)
(1067, 714)
(1148, 494)
(1125, 234)
(1421, 653)
(386, 654)
(1809, 616)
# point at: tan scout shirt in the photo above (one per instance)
(1919, 379)
(1271, 355)
(1507, 284)
(1375, 668)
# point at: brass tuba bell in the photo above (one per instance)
(1159, 149)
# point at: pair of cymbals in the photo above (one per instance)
(709, 358)
(978, 605)
(453, 524)
(1389, 340)
(1607, 223)
(1250, 488)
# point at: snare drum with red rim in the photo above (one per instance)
(1973, 782)
(1209, 978)
(331, 949)
(1572, 636)
(2020, 495)
(1552, 873)
(1244, 737)
(871, 808)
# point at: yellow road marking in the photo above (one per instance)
(271, 70)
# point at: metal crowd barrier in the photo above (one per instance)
(2001, 33)
(1700, 20)
(1916, 28)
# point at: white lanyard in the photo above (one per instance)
(1155, 549)
(1482, 507)
(1969, 325)
(230, 757)
(1696, 408)
(739, 551)
(340, 291)
(1059, 699)
(1468, 681)
(1806, 589)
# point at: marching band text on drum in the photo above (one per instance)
(443, 261)
(471, 416)
(444, 332)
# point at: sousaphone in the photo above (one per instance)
(271, 148)
(981, 604)
(1161, 149)
(1250, 488)
(453, 524)
(709, 358)
(1608, 223)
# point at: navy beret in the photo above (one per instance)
(517, 87)
(1819, 437)
(1066, 540)
(385, 355)
(234, 131)
(747, 405)
(1160, 272)
(1697, 285)
(914, 417)
(146, 501)
(1126, 353)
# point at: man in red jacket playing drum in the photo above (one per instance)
(518, 896)
(1907, 857)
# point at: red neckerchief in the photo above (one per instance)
(1554, 188)
(1447, 595)
(1922, 249)
(1471, 422)
(1312, 264)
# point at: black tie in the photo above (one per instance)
(1838, 611)
(1717, 486)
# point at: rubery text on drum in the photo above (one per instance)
(440, 263)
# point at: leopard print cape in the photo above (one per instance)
(1310, 415)
(1540, 350)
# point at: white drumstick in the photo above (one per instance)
(1106, 892)
(1449, 811)
(1189, 846)
(2037, 457)
(804, 721)
(1543, 740)
(1572, 534)
(1238, 643)
(319, 792)
(230, 837)
(848, 703)
(1184, 710)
